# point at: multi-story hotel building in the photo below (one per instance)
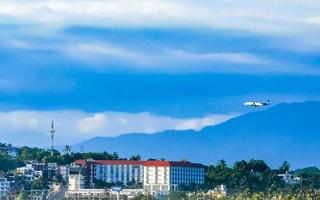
(168, 175)
(155, 175)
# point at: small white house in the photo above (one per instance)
(290, 179)
(4, 187)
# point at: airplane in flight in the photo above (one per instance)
(257, 104)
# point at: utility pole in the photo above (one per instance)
(52, 132)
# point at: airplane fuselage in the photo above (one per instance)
(256, 104)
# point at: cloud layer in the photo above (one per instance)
(38, 27)
(285, 16)
(74, 126)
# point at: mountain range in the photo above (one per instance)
(287, 131)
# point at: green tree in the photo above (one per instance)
(285, 167)
(239, 176)
(67, 150)
(22, 195)
(310, 177)
(7, 163)
(135, 157)
(258, 166)
(25, 154)
(37, 184)
(219, 174)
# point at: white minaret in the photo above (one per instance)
(52, 132)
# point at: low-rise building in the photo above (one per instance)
(290, 179)
(102, 193)
(64, 171)
(218, 192)
(34, 170)
(51, 169)
(4, 187)
(83, 193)
(76, 179)
(27, 172)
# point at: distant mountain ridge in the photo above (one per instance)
(287, 131)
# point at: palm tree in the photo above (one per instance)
(67, 150)
(285, 167)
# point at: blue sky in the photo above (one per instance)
(112, 67)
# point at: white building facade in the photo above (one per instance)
(112, 171)
(166, 175)
(76, 179)
(76, 182)
(4, 187)
(156, 176)
(64, 170)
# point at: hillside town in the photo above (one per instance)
(33, 173)
(84, 178)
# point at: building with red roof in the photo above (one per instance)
(161, 176)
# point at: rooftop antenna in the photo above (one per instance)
(52, 132)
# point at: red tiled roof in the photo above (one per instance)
(144, 163)
(157, 163)
(172, 163)
(110, 162)
(80, 162)
(119, 162)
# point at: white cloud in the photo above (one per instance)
(100, 52)
(199, 123)
(286, 16)
(289, 18)
(103, 57)
(74, 126)
(178, 60)
(162, 60)
(100, 55)
(313, 20)
(220, 57)
(94, 123)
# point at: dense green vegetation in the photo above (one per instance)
(254, 175)
(252, 179)
(66, 157)
(8, 162)
(257, 176)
